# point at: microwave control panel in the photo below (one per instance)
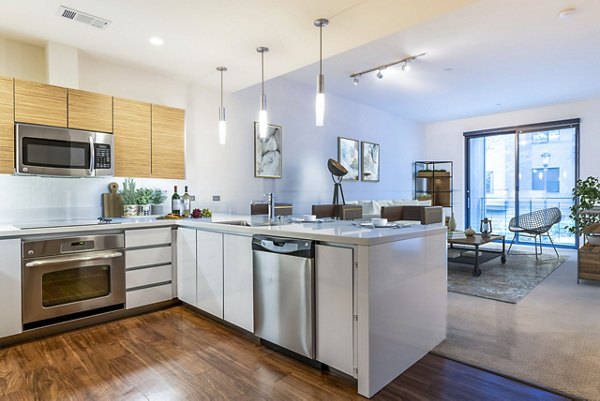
(102, 156)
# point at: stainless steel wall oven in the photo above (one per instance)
(68, 278)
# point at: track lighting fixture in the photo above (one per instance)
(262, 114)
(320, 100)
(405, 67)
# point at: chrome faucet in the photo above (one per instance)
(271, 206)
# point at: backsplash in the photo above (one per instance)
(34, 198)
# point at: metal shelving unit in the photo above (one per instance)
(436, 179)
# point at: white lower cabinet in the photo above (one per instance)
(238, 297)
(10, 288)
(209, 271)
(186, 265)
(334, 307)
(148, 266)
(214, 274)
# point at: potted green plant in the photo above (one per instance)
(128, 193)
(143, 197)
(586, 195)
(157, 199)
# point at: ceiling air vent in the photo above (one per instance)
(82, 17)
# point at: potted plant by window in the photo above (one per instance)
(128, 193)
(143, 198)
(157, 199)
(586, 195)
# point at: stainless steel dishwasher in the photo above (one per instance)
(284, 292)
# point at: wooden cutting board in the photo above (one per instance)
(112, 202)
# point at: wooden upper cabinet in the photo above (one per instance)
(132, 138)
(168, 155)
(43, 104)
(7, 131)
(90, 111)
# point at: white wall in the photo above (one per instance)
(444, 140)
(228, 170)
(22, 60)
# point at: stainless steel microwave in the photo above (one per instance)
(42, 150)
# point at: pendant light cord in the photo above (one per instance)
(321, 49)
(221, 89)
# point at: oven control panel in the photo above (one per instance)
(103, 160)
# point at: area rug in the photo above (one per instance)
(509, 282)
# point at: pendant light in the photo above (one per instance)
(320, 100)
(222, 123)
(262, 114)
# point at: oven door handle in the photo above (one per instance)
(66, 259)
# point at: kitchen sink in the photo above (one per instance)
(242, 223)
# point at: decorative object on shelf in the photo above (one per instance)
(485, 227)
(586, 195)
(263, 121)
(452, 223)
(222, 123)
(405, 67)
(348, 157)
(337, 173)
(469, 232)
(370, 161)
(424, 197)
(320, 100)
(268, 152)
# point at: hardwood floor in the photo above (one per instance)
(176, 355)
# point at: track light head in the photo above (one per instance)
(379, 74)
(356, 81)
(405, 66)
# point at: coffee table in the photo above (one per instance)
(476, 241)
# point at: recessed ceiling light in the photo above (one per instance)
(566, 13)
(156, 41)
(448, 69)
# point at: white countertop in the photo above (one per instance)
(336, 231)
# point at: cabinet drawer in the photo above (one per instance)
(150, 275)
(147, 237)
(149, 296)
(147, 257)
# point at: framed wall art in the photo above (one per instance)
(348, 157)
(370, 161)
(268, 162)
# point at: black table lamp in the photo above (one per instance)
(337, 172)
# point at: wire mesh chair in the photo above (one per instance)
(535, 224)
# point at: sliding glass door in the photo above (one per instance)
(513, 171)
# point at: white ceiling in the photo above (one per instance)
(503, 54)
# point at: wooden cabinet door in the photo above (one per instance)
(90, 111)
(132, 132)
(7, 133)
(42, 104)
(168, 156)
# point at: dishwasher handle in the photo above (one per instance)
(286, 246)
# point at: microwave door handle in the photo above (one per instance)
(66, 259)
(92, 156)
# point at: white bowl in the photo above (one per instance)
(594, 239)
(309, 217)
(379, 221)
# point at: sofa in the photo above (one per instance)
(372, 208)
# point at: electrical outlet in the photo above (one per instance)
(192, 198)
(216, 198)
